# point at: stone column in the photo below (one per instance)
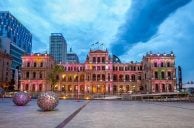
(85, 88)
(22, 87)
(160, 85)
(37, 87)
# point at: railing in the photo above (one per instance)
(160, 97)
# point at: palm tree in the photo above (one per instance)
(53, 76)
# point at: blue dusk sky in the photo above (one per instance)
(127, 28)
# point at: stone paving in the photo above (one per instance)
(99, 114)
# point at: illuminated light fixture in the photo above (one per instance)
(64, 97)
(63, 76)
(87, 98)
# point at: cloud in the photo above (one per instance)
(144, 18)
(82, 22)
(174, 34)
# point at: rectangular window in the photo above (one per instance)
(94, 59)
(103, 59)
(28, 64)
(27, 75)
(155, 64)
(156, 75)
(41, 64)
(98, 59)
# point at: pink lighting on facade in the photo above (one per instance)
(35, 69)
(103, 74)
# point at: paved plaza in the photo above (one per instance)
(99, 114)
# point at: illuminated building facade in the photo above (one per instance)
(35, 70)
(103, 74)
(5, 69)
(159, 72)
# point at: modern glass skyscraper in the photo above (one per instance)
(16, 39)
(58, 47)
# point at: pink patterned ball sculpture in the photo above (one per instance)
(47, 101)
(21, 98)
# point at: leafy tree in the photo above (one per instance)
(53, 76)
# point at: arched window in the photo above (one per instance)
(108, 77)
(33, 87)
(40, 75)
(94, 59)
(64, 78)
(114, 89)
(121, 78)
(103, 77)
(34, 64)
(27, 87)
(133, 77)
(163, 88)
(168, 64)
(162, 64)
(76, 78)
(155, 64)
(114, 77)
(94, 77)
(103, 59)
(82, 78)
(156, 75)
(28, 64)
(41, 64)
(169, 76)
(162, 75)
(40, 87)
(34, 75)
(69, 79)
(27, 75)
(156, 88)
(127, 77)
(98, 77)
(98, 59)
(170, 88)
(63, 88)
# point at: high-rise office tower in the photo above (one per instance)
(16, 41)
(58, 47)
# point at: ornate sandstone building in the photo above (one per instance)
(102, 73)
(105, 74)
(34, 72)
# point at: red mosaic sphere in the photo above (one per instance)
(21, 98)
(47, 101)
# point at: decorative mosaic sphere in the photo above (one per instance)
(21, 98)
(47, 101)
